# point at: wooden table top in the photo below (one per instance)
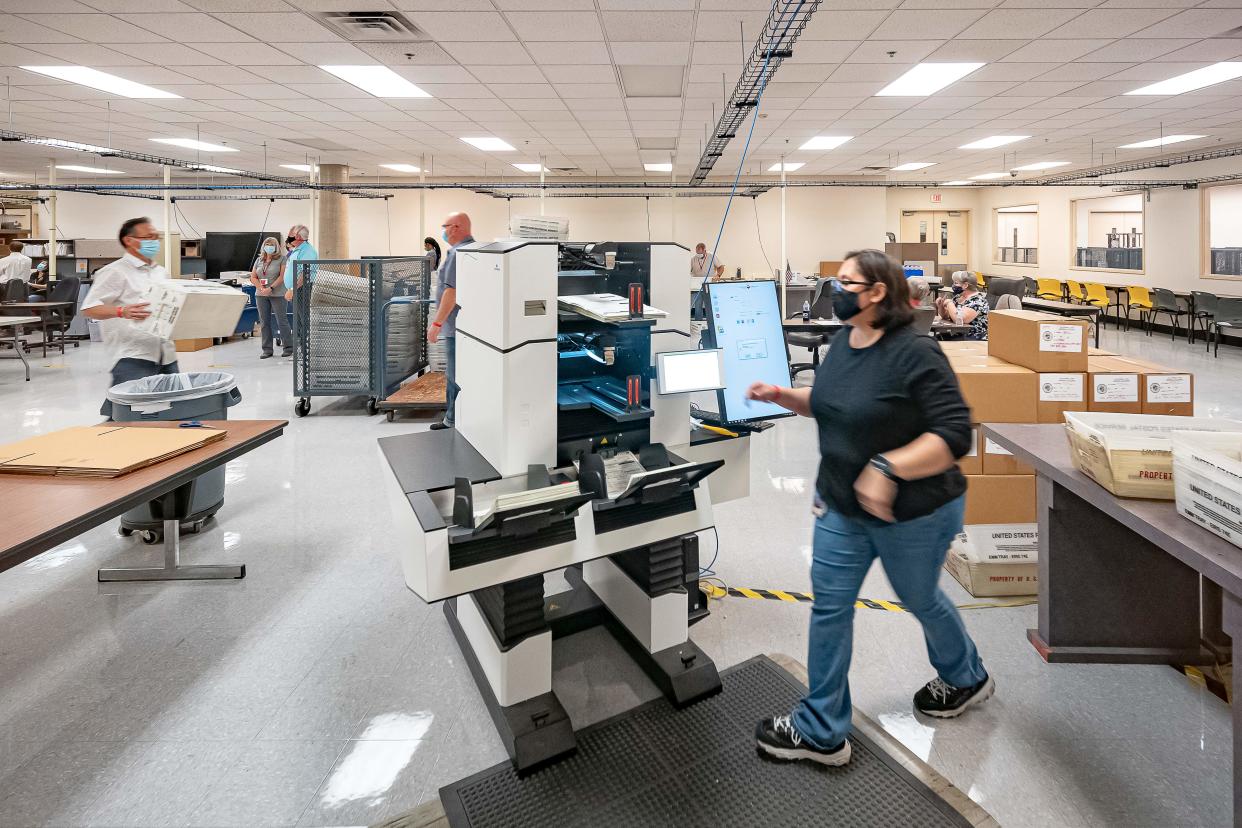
(1046, 448)
(39, 512)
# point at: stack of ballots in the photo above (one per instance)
(339, 346)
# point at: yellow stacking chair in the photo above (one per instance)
(1139, 298)
(1049, 289)
(1076, 292)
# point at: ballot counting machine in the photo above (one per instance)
(557, 353)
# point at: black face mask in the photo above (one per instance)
(957, 290)
(289, 239)
(844, 303)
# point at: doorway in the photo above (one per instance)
(949, 230)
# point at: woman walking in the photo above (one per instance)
(892, 423)
(269, 296)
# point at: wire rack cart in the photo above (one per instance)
(359, 325)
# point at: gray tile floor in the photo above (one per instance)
(318, 691)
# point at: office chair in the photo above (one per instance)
(1008, 301)
(15, 290)
(65, 289)
(1166, 302)
(923, 319)
(1050, 289)
(1139, 298)
(1228, 315)
(821, 308)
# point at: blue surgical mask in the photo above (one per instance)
(149, 248)
(444, 235)
(269, 249)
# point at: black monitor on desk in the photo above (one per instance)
(744, 321)
(231, 251)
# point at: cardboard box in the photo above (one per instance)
(1000, 498)
(192, 309)
(1207, 479)
(188, 345)
(1113, 385)
(972, 463)
(1164, 391)
(999, 460)
(966, 346)
(998, 393)
(996, 560)
(1059, 393)
(1043, 342)
(1131, 455)
(829, 270)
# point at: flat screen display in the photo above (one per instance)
(745, 324)
(679, 372)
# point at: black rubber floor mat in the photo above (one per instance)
(656, 766)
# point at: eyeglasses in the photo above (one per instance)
(838, 283)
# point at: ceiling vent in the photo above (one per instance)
(564, 169)
(372, 26)
(874, 169)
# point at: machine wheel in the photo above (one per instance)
(391, 415)
(125, 531)
(372, 405)
(302, 407)
(152, 536)
(195, 527)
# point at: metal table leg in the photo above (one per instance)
(17, 348)
(172, 507)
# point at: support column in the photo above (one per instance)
(51, 232)
(168, 235)
(332, 217)
(784, 248)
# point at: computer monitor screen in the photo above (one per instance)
(745, 323)
(679, 372)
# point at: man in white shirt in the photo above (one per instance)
(16, 265)
(117, 300)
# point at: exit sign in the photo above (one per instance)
(935, 198)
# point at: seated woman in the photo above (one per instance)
(967, 307)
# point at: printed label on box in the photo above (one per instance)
(1168, 388)
(1060, 388)
(995, 448)
(1117, 388)
(1062, 338)
(974, 443)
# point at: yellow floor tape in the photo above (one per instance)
(789, 596)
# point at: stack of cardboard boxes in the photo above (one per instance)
(1033, 368)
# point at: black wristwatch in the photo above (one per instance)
(880, 463)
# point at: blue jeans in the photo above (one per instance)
(450, 377)
(912, 553)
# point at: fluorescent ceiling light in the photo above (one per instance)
(954, 183)
(69, 145)
(404, 168)
(76, 168)
(101, 80)
(190, 143)
(790, 166)
(987, 176)
(531, 168)
(910, 166)
(1160, 142)
(489, 144)
(994, 141)
(665, 167)
(380, 81)
(825, 142)
(926, 79)
(1042, 165)
(213, 168)
(299, 167)
(1207, 76)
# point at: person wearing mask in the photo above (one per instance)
(267, 275)
(967, 307)
(892, 423)
(698, 264)
(38, 283)
(432, 248)
(117, 301)
(300, 249)
(456, 231)
(16, 265)
(918, 291)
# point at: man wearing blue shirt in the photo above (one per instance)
(456, 231)
(299, 250)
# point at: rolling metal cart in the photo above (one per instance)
(359, 327)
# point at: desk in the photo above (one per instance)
(42, 511)
(1066, 309)
(44, 310)
(13, 323)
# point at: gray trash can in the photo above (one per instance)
(199, 396)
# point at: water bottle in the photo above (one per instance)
(806, 311)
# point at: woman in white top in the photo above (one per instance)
(267, 276)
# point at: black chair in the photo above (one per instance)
(1165, 301)
(1228, 316)
(923, 319)
(821, 308)
(15, 290)
(1205, 305)
(1032, 286)
(999, 286)
(65, 289)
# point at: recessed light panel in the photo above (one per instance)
(96, 170)
(299, 167)
(101, 80)
(531, 168)
(665, 167)
(994, 141)
(825, 142)
(954, 183)
(1207, 76)
(988, 176)
(1042, 165)
(790, 166)
(927, 79)
(212, 168)
(190, 143)
(69, 145)
(910, 166)
(401, 168)
(652, 81)
(1160, 142)
(489, 144)
(379, 81)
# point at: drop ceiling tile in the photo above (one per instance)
(545, 5)
(188, 28)
(579, 73)
(84, 54)
(1134, 50)
(405, 54)
(984, 51)
(650, 54)
(1002, 24)
(448, 27)
(588, 90)
(937, 24)
(1196, 23)
(806, 72)
(648, 27)
(166, 54)
(823, 51)
(292, 26)
(225, 74)
(877, 74)
(1114, 22)
(247, 54)
(506, 54)
(334, 91)
(525, 91)
(831, 24)
(845, 90)
(50, 6)
(569, 26)
(1213, 50)
(324, 54)
(458, 90)
(36, 28)
(906, 52)
(1062, 51)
